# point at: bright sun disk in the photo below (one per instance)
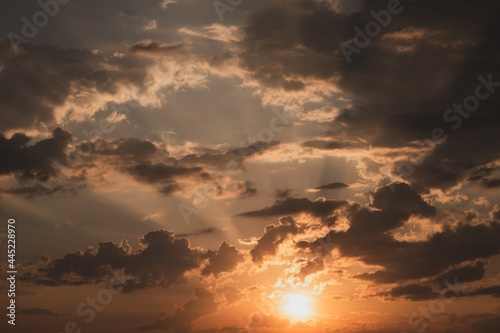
(297, 307)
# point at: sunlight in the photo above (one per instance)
(297, 307)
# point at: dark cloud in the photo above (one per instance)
(225, 259)
(169, 189)
(311, 267)
(33, 161)
(327, 144)
(289, 206)
(369, 240)
(230, 160)
(206, 231)
(39, 78)
(273, 236)
(468, 273)
(281, 194)
(485, 291)
(161, 175)
(401, 196)
(428, 258)
(161, 260)
(491, 183)
(181, 321)
(155, 173)
(148, 47)
(332, 186)
(127, 148)
(413, 292)
(395, 98)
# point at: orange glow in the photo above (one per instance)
(297, 307)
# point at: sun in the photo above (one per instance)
(297, 307)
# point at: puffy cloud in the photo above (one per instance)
(368, 239)
(33, 161)
(225, 259)
(273, 236)
(161, 260)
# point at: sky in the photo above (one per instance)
(251, 166)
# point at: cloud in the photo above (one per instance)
(39, 79)
(225, 259)
(206, 231)
(491, 183)
(127, 148)
(468, 273)
(281, 194)
(290, 206)
(285, 45)
(273, 236)
(33, 161)
(247, 189)
(155, 173)
(413, 292)
(485, 291)
(149, 47)
(161, 260)
(401, 196)
(311, 267)
(332, 186)
(161, 175)
(368, 239)
(229, 160)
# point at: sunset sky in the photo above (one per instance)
(251, 166)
